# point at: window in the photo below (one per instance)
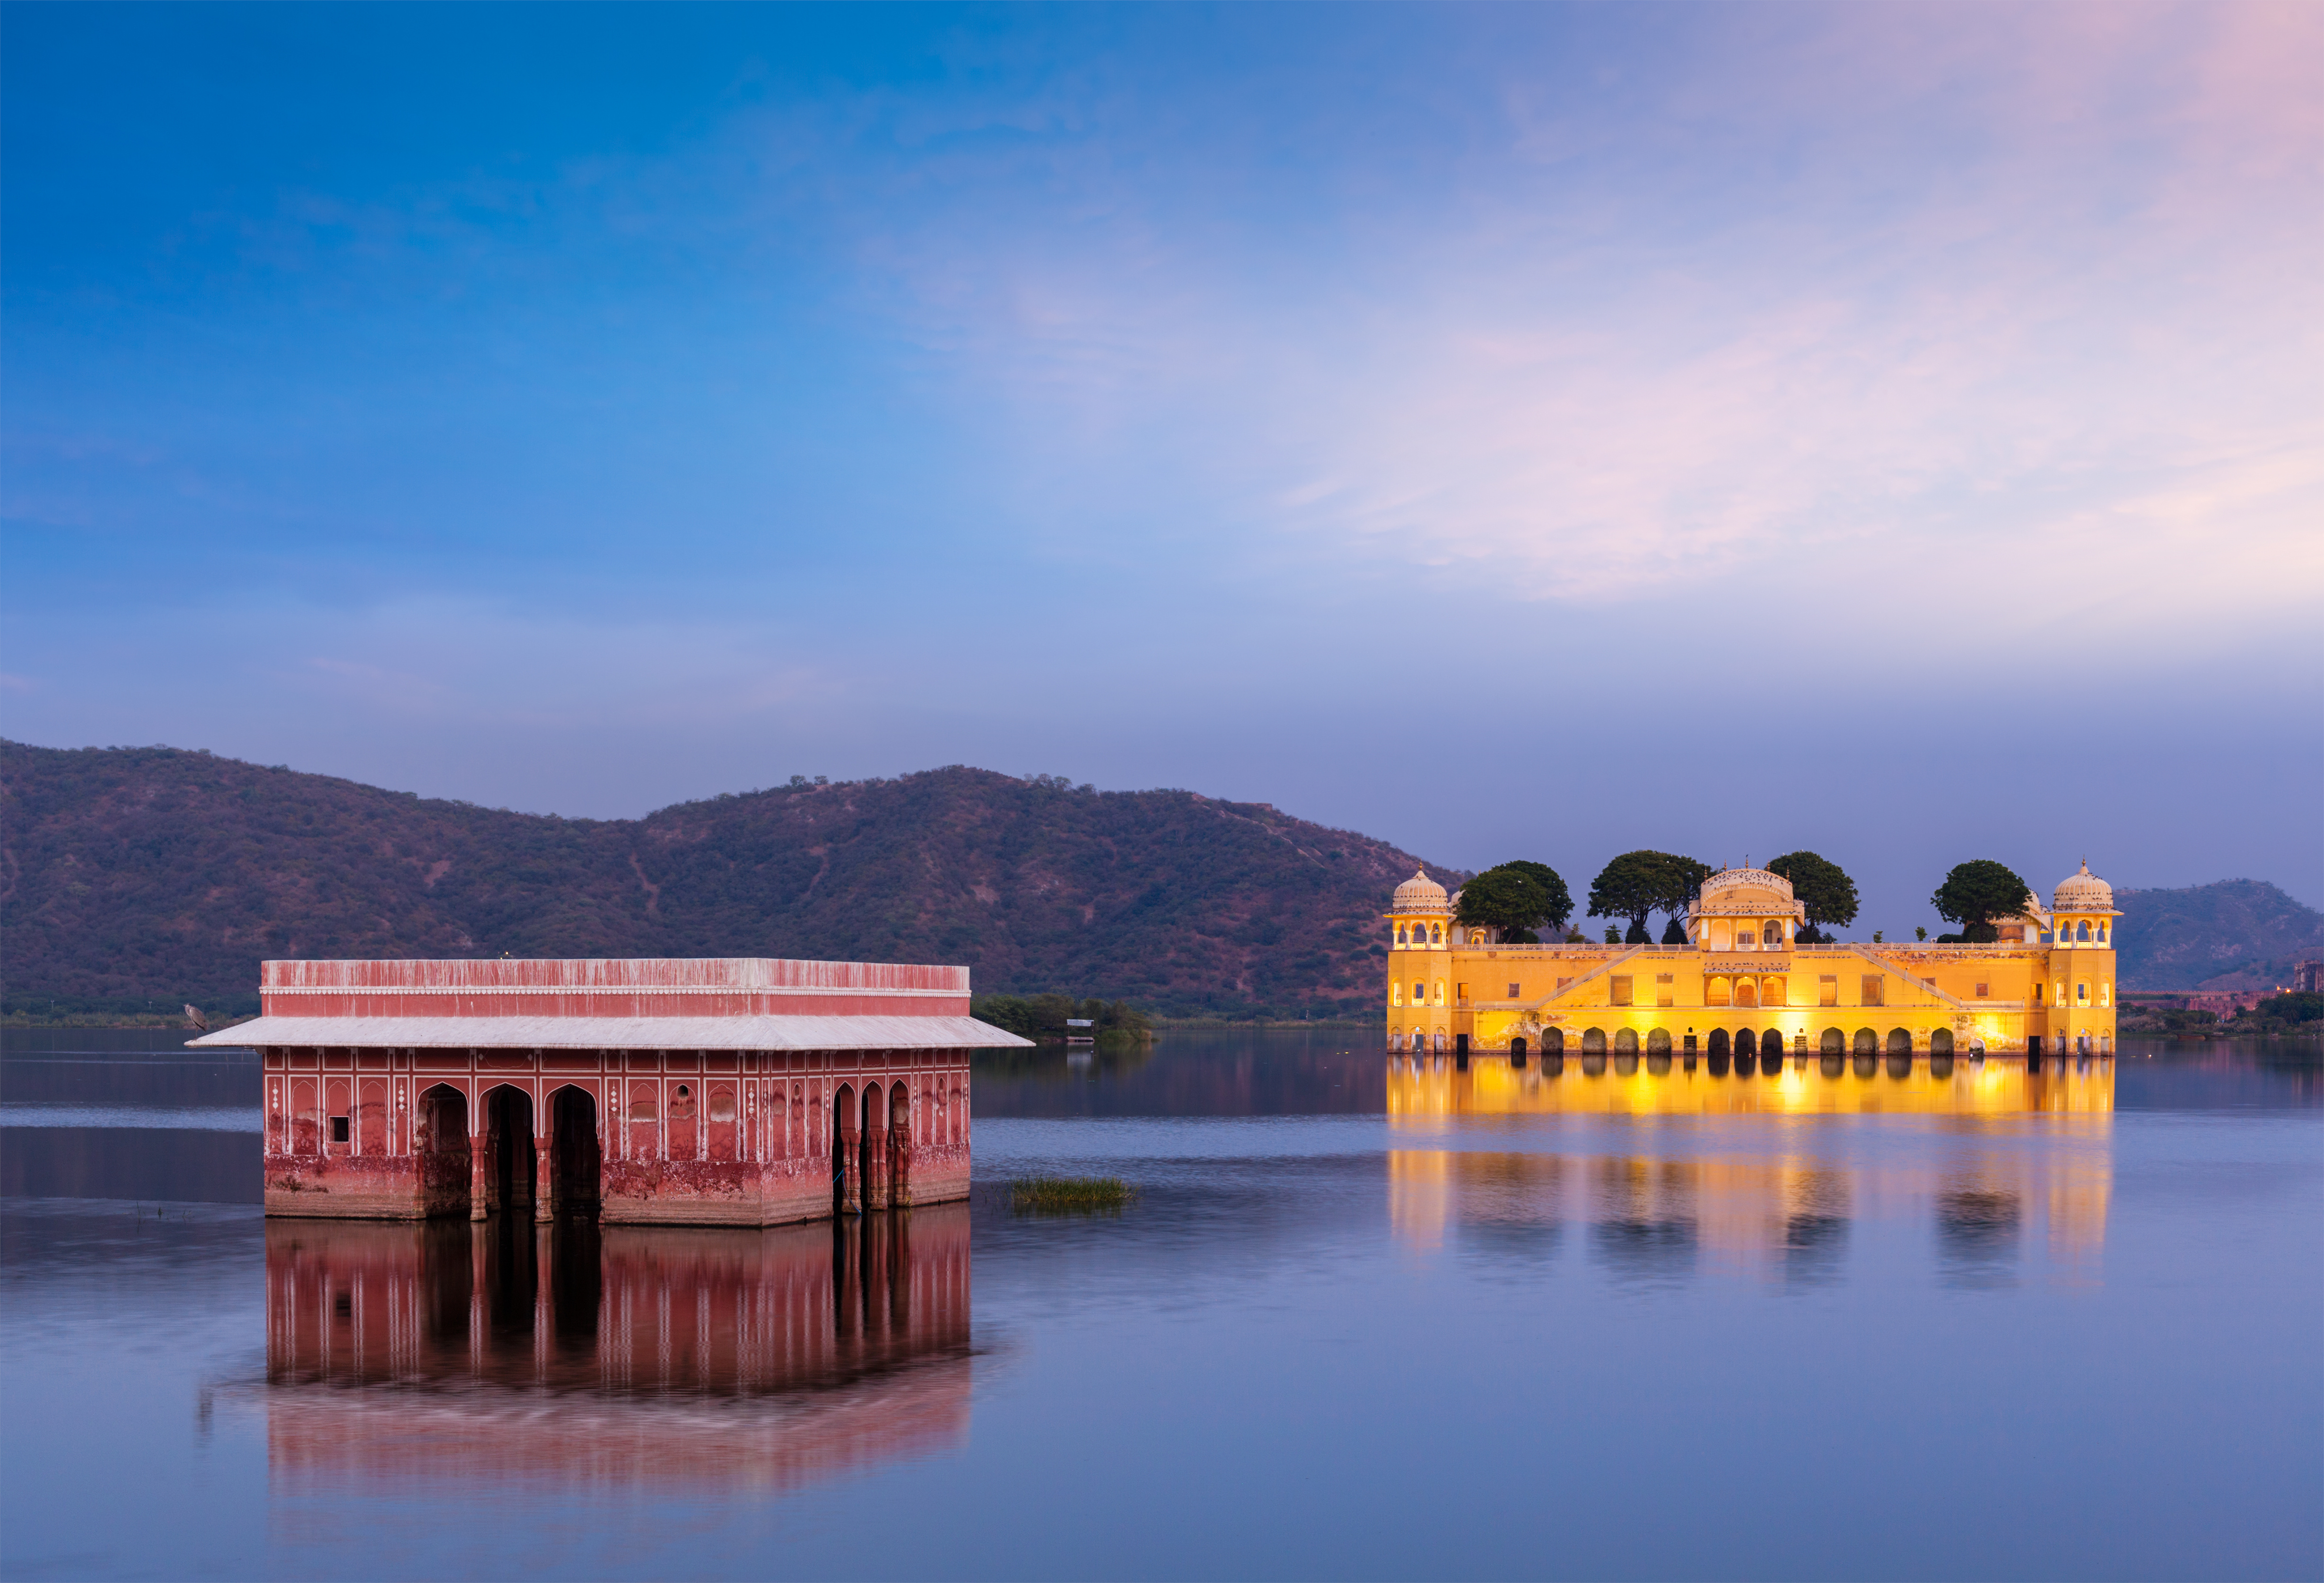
(1513, 992)
(1622, 985)
(1665, 989)
(1401, 937)
(1870, 995)
(2082, 994)
(1563, 982)
(1395, 993)
(2037, 994)
(2082, 931)
(1440, 991)
(1461, 994)
(1828, 990)
(338, 1129)
(1419, 993)
(2102, 933)
(1984, 991)
(2106, 991)
(1436, 934)
(1773, 993)
(1772, 935)
(1719, 992)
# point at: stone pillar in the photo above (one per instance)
(874, 1170)
(848, 1158)
(899, 1161)
(480, 1161)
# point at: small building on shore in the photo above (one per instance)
(1744, 985)
(672, 1090)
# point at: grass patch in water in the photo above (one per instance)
(1065, 1194)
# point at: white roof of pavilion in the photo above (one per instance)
(621, 1032)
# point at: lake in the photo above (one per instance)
(1366, 1318)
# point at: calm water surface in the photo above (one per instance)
(1366, 1320)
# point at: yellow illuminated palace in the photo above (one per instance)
(1744, 983)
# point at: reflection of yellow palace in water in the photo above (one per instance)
(2048, 984)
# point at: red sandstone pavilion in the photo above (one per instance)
(723, 1091)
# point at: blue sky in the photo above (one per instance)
(1539, 431)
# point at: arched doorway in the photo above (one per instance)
(1900, 1043)
(899, 1145)
(1553, 1042)
(1940, 1043)
(1626, 1041)
(509, 1160)
(845, 1197)
(1658, 1042)
(440, 1140)
(1517, 1051)
(1718, 1046)
(1832, 1043)
(1746, 991)
(573, 1151)
(1867, 1043)
(1593, 1041)
(1771, 1046)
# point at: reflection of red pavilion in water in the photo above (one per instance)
(450, 1351)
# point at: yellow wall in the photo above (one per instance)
(1465, 991)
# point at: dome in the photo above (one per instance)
(2083, 893)
(1420, 893)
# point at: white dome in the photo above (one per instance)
(2083, 893)
(1420, 893)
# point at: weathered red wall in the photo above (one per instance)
(730, 1137)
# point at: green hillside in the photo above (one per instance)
(2235, 934)
(133, 879)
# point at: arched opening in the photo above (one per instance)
(900, 1145)
(1403, 935)
(573, 1163)
(2082, 931)
(1723, 933)
(508, 1148)
(1746, 991)
(1940, 1043)
(1900, 1043)
(722, 1113)
(1832, 1042)
(1626, 1041)
(1719, 991)
(1867, 1043)
(1658, 1042)
(684, 1122)
(1436, 934)
(1593, 1041)
(440, 1140)
(1718, 1047)
(1517, 1051)
(1771, 935)
(1771, 1046)
(1553, 1042)
(847, 1195)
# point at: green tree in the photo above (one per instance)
(1516, 898)
(1975, 894)
(1641, 882)
(1821, 886)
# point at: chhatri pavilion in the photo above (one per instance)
(1744, 983)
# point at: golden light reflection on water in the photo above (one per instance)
(1997, 1198)
(1490, 1085)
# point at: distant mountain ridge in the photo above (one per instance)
(2234, 934)
(131, 879)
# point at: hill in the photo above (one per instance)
(131, 879)
(2235, 934)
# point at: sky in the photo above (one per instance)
(1543, 431)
